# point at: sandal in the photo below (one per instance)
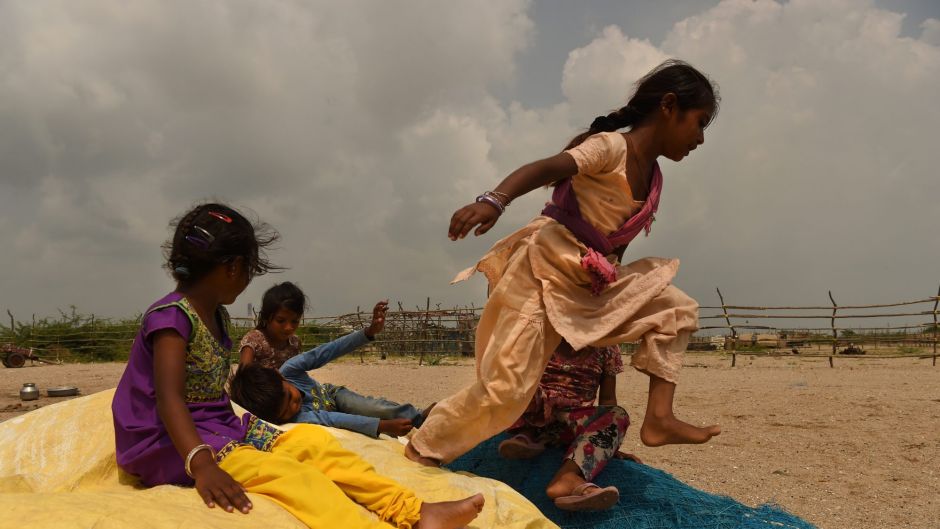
(598, 499)
(520, 447)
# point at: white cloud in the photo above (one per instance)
(604, 71)
(818, 172)
(356, 128)
(118, 117)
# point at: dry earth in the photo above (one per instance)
(856, 446)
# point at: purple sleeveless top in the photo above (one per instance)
(143, 445)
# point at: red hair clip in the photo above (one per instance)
(224, 218)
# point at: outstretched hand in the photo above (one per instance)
(378, 319)
(395, 427)
(471, 215)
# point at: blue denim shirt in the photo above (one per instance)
(317, 406)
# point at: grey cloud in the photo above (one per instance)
(356, 129)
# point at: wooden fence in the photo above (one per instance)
(432, 333)
(428, 333)
(916, 335)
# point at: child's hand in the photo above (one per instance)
(469, 216)
(631, 457)
(215, 486)
(395, 427)
(378, 319)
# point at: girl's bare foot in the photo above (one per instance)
(659, 431)
(660, 426)
(450, 514)
(413, 455)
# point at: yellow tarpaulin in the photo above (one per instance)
(57, 469)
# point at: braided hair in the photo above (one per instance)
(691, 87)
(212, 234)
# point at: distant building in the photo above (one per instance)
(762, 340)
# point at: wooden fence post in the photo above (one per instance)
(835, 334)
(362, 359)
(426, 334)
(935, 302)
(734, 333)
(12, 328)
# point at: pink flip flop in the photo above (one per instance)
(580, 499)
(520, 447)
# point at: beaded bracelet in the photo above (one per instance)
(192, 453)
(492, 201)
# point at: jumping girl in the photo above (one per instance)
(560, 278)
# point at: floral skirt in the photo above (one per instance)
(593, 434)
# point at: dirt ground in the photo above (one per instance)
(852, 447)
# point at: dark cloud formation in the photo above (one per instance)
(356, 128)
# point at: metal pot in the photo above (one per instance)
(29, 391)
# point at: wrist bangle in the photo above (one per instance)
(502, 197)
(192, 453)
(487, 199)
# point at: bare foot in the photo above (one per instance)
(659, 431)
(450, 514)
(413, 455)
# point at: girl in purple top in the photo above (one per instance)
(174, 423)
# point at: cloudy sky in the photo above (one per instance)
(357, 128)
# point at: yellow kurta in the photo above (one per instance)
(539, 294)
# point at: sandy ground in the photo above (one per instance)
(852, 447)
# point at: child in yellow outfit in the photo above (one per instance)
(560, 276)
(311, 475)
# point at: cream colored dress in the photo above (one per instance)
(539, 294)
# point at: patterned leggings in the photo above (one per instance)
(593, 435)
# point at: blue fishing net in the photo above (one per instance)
(649, 498)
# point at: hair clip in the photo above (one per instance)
(224, 218)
(205, 234)
(196, 241)
(181, 272)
